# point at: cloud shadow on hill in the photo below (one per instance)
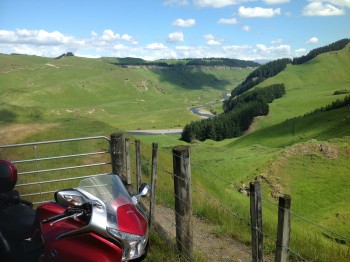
(189, 78)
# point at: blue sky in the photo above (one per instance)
(155, 29)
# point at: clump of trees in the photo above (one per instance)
(341, 92)
(339, 103)
(272, 68)
(244, 105)
(266, 94)
(237, 119)
(64, 55)
(263, 72)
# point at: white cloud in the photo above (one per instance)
(300, 52)
(246, 28)
(53, 44)
(126, 37)
(250, 12)
(175, 2)
(119, 47)
(317, 8)
(87, 55)
(244, 52)
(184, 48)
(212, 40)
(175, 37)
(155, 46)
(24, 36)
(109, 36)
(345, 3)
(184, 23)
(265, 52)
(277, 41)
(273, 2)
(229, 21)
(209, 37)
(312, 40)
(216, 3)
(259, 52)
(194, 52)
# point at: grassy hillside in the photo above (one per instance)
(304, 156)
(43, 89)
(309, 86)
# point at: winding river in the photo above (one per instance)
(197, 110)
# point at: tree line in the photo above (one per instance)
(263, 72)
(338, 45)
(272, 68)
(205, 62)
(339, 103)
(222, 62)
(236, 120)
(244, 105)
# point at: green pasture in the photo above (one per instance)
(286, 148)
(309, 86)
(35, 88)
(304, 156)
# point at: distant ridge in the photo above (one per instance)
(194, 62)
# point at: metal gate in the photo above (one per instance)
(45, 167)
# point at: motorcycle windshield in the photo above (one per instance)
(122, 214)
(107, 188)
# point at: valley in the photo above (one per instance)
(290, 150)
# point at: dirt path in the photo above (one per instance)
(208, 244)
(12, 133)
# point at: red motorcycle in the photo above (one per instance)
(97, 221)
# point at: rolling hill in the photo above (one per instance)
(295, 149)
(291, 150)
(44, 89)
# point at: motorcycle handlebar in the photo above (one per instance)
(83, 209)
(53, 218)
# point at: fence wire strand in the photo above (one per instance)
(242, 219)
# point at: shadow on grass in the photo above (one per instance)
(6, 116)
(189, 78)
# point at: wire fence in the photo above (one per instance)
(220, 211)
(205, 199)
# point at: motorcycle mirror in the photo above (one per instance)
(69, 197)
(143, 191)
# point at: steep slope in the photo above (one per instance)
(309, 86)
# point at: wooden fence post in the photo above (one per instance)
(153, 183)
(283, 229)
(127, 162)
(183, 201)
(138, 164)
(117, 155)
(256, 221)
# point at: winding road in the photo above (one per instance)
(197, 110)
